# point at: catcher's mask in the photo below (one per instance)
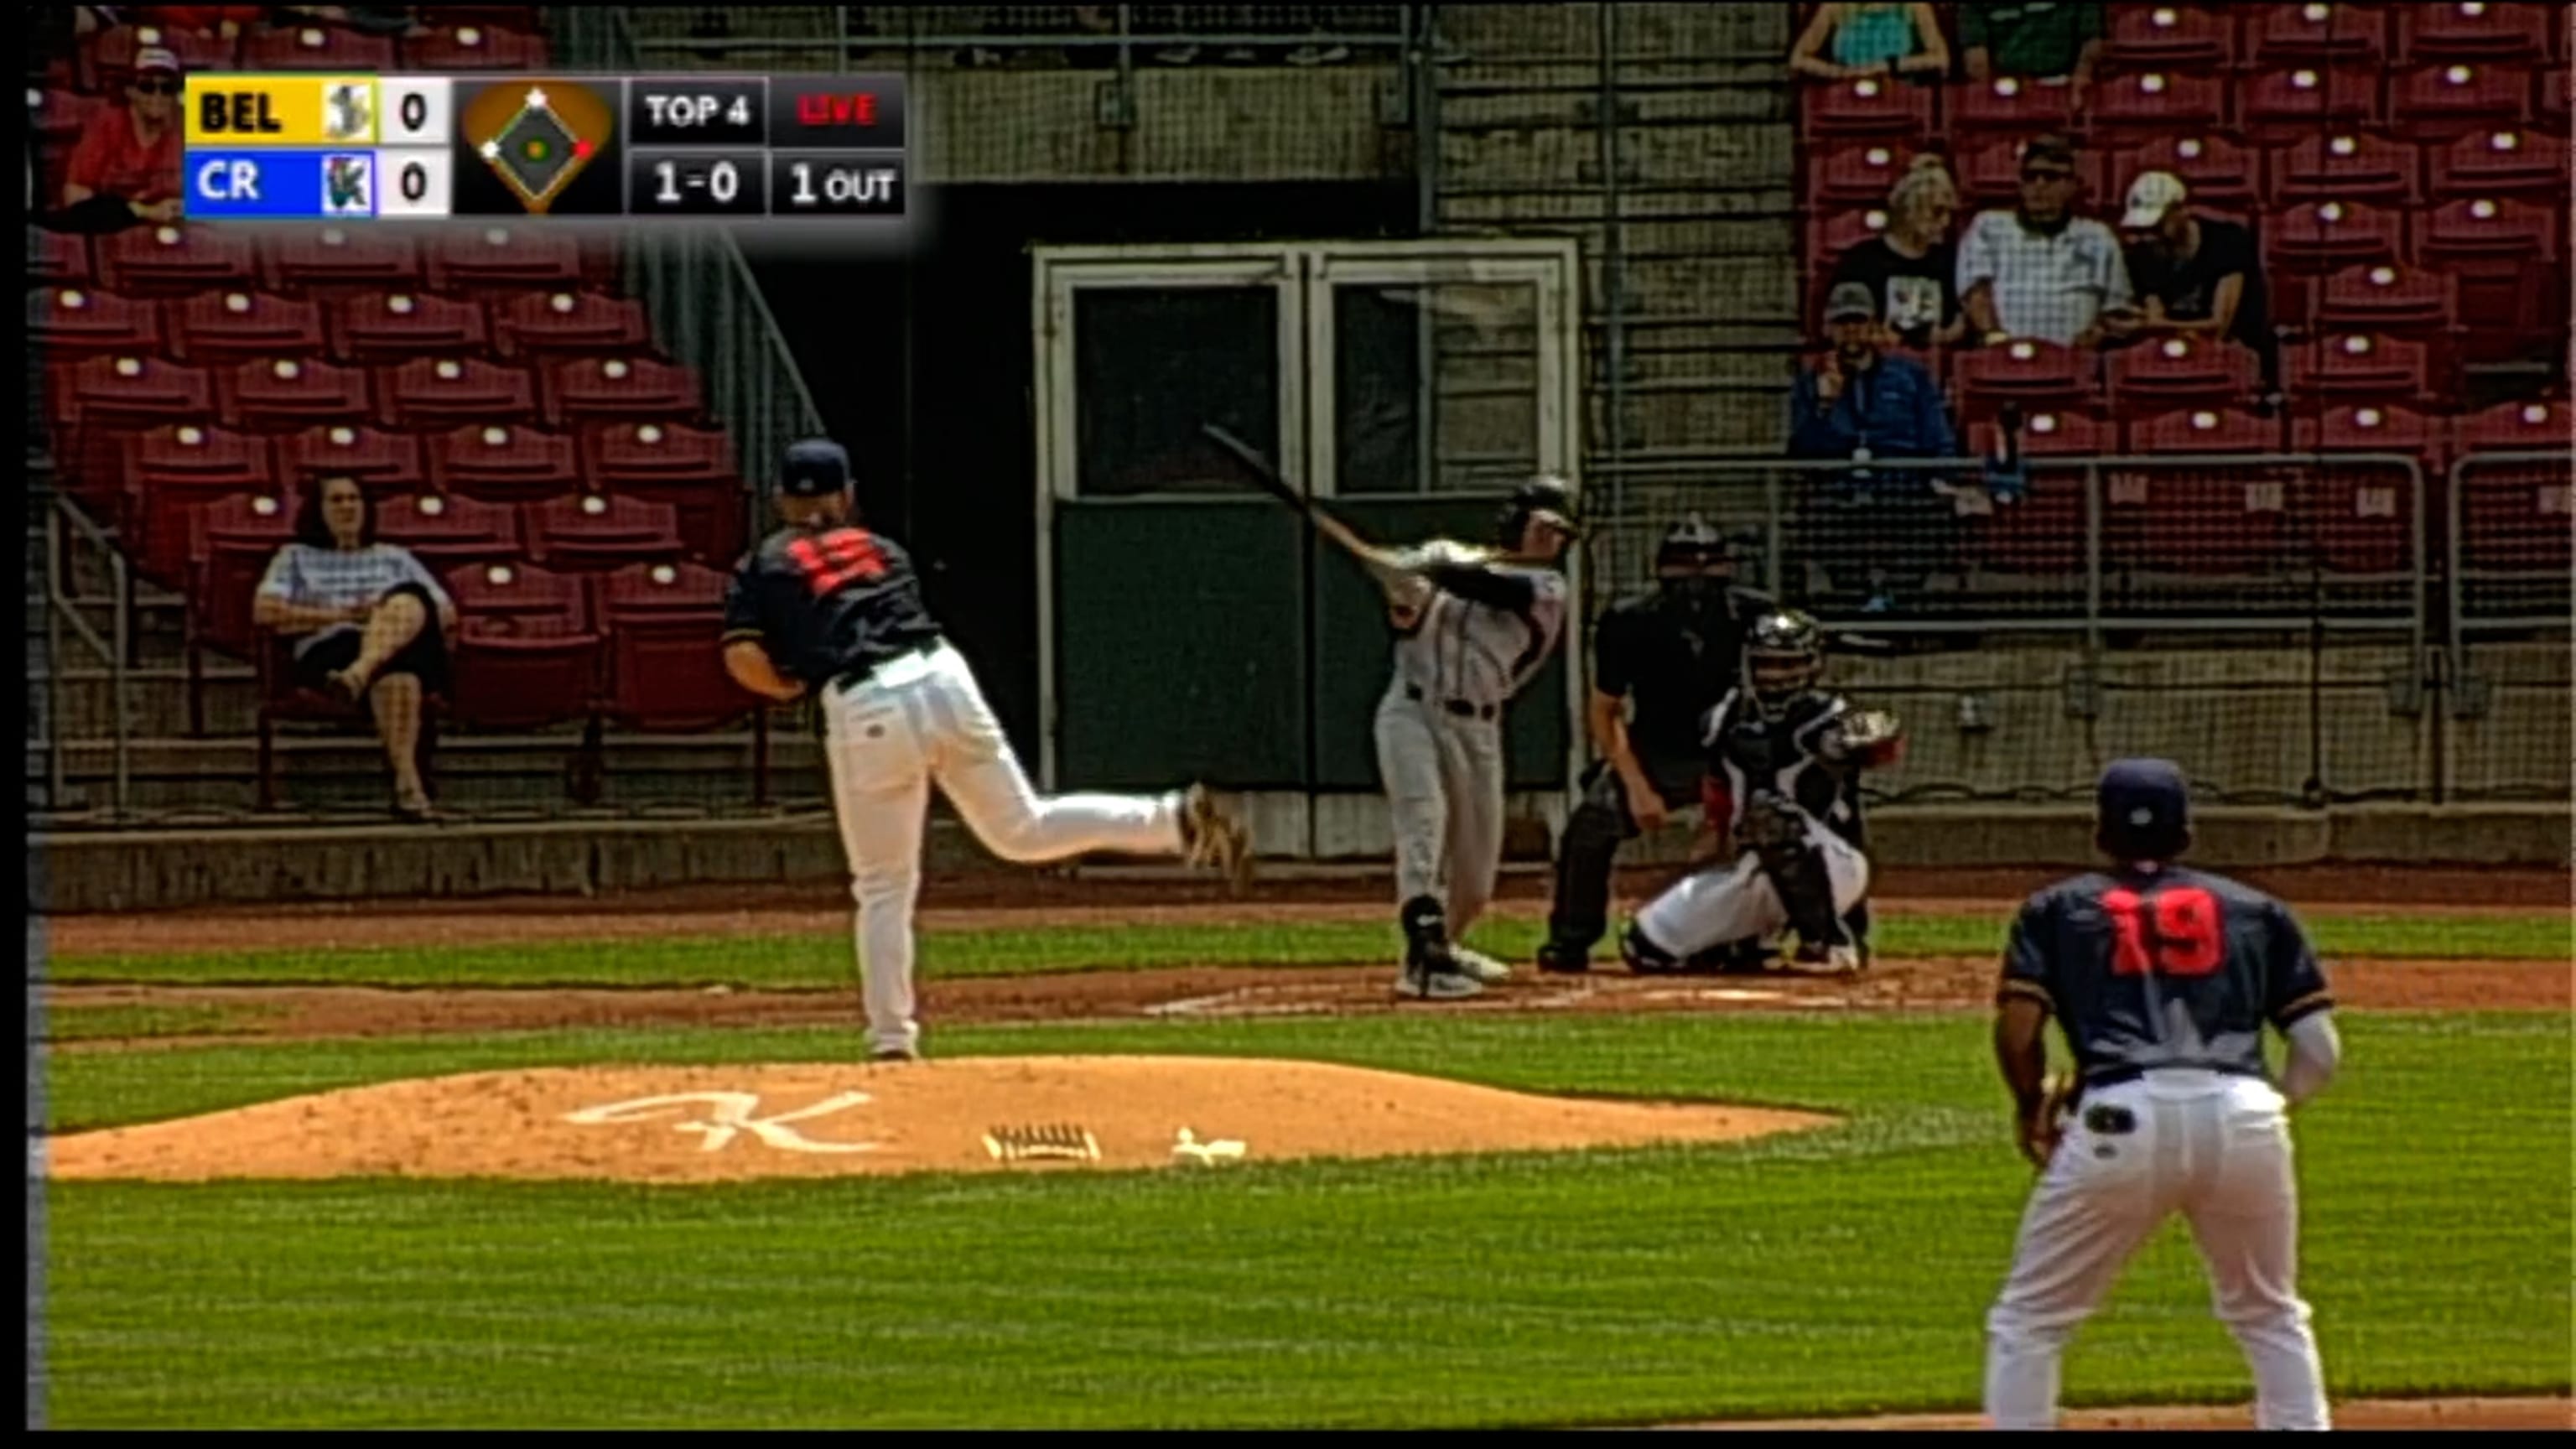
(1692, 546)
(1546, 496)
(1783, 657)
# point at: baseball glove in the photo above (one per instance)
(2040, 1135)
(1870, 737)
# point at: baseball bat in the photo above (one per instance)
(1267, 478)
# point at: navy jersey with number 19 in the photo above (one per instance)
(2163, 968)
(827, 603)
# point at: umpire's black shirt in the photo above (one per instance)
(2163, 968)
(1676, 660)
(829, 603)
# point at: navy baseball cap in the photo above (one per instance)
(815, 468)
(2144, 809)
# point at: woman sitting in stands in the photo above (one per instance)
(369, 622)
(1872, 40)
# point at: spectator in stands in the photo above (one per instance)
(2196, 275)
(1872, 40)
(368, 621)
(1912, 267)
(2056, 44)
(125, 167)
(2040, 270)
(1860, 404)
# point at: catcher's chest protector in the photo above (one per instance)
(1751, 752)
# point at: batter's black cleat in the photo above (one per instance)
(1559, 961)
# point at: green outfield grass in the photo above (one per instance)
(824, 959)
(1843, 1271)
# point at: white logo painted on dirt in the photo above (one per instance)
(728, 1115)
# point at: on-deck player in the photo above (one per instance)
(1473, 626)
(826, 605)
(2163, 979)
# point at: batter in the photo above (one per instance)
(2163, 979)
(826, 606)
(1472, 628)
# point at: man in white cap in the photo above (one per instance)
(2197, 276)
(132, 155)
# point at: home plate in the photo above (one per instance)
(1716, 993)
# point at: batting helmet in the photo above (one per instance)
(1784, 655)
(1546, 496)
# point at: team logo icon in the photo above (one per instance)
(348, 113)
(348, 186)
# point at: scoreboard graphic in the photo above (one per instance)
(326, 147)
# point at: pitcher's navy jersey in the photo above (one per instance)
(828, 603)
(2163, 968)
(1748, 752)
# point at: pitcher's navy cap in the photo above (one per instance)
(815, 468)
(2144, 808)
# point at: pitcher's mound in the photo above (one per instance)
(1014, 1114)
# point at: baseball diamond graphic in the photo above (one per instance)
(539, 137)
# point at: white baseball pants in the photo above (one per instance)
(2216, 1148)
(920, 719)
(1444, 794)
(1726, 904)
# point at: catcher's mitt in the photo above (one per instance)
(1870, 737)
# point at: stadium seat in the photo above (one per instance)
(2526, 426)
(285, 394)
(1856, 173)
(525, 655)
(2170, 372)
(2144, 104)
(587, 389)
(2455, 98)
(1845, 228)
(2331, 235)
(1989, 173)
(540, 325)
(129, 392)
(2345, 166)
(2222, 519)
(2311, 33)
(2218, 170)
(233, 541)
(55, 258)
(2372, 428)
(2362, 367)
(2504, 251)
(2509, 161)
(173, 471)
(2483, 228)
(2282, 106)
(176, 261)
(2168, 37)
(2510, 473)
(503, 463)
(2404, 301)
(224, 327)
(2549, 99)
(2512, 34)
(2035, 373)
(57, 117)
(333, 258)
(68, 323)
(2362, 516)
(282, 699)
(598, 532)
(483, 260)
(433, 394)
(691, 469)
(2041, 532)
(472, 47)
(446, 530)
(1869, 106)
(111, 51)
(2017, 105)
(315, 48)
(664, 625)
(384, 462)
(396, 326)
(2204, 430)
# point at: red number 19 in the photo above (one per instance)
(837, 558)
(2185, 940)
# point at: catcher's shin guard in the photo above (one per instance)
(1645, 957)
(1777, 831)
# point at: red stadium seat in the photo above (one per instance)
(2549, 98)
(2516, 34)
(691, 469)
(234, 540)
(2169, 372)
(72, 322)
(2284, 105)
(226, 327)
(1856, 173)
(383, 462)
(1869, 106)
(315, 48)
(2312, 33)
(598, 531)
(2482, 228)
(173, 470)
(285, 394)
(2035, 373)
(2168, 37)
(2218, 170)
(447, 530)
(2221, 520)
(2020, 105)
(503, 258)
(176, 261)
(2362, 516)
(503, 463)
(2041, 532)
(665, 667)
(2371, 428)
(1989, 172)
(2050, 433)
(2455, 98)
(2514, 513)
(2204, 430)
(55, 258)
(2528, 426)
(1829, 238)
(2359, 367)
(2332, 235)
(472, 47)
(438, 393)
(604, 389)
(2144, 104)
(2509, 161)
(111, 51)
(376, 327)
(130, 392)
(2345, 166)
(2384, 298)
(570, 324)
(334, 258)
(524, 656)
(58, 117)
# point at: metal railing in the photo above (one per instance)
(2528, 587)
(112, 648)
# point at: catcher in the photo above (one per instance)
(1785, 760)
